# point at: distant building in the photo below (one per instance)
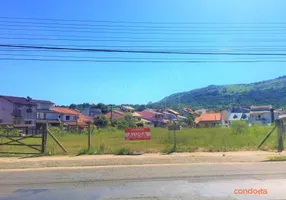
(156, 118)
(238, 117)
(72, 118)
(45, 112)
(201, 111)
(208, 120)
(93, 112)
(116, 114)
(17, 111)
(186, 111)
(263, 115)
(127, 109)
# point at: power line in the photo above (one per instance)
(105, 57)
(261, 46)
(142, 51)
(213, 26)
(141, 61)
(134, 22)
(144, 29)
(141, 40)
(146, 32)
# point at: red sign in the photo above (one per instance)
(137, 134)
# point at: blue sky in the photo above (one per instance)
(76, 82)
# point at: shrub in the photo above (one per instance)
(123, 151)
(238, 127)
(86, 151)
(168, 149)
(101, 121)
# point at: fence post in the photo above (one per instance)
(89, 136)
(175, 140)
(44, 137)
(280, 127)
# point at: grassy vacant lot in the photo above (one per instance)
(109, 141)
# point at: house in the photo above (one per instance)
(127, 109)
(238, 117)
(93, 112)
(81, 123)
(279, 112)
(201, 111)
(17, 111)
(66, 114)
(45, 112)
(172, 112)
(208, 120)
(156, 118)
(263, 115)
(225, 113)
(136, 116)
(169, 116)
(72, 118)
(116, 114)
(187, 111)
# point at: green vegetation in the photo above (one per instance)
(86, 151)
(111, 141)
(261, 93)
(123, 151)
(128, 121)
(277, 158)
(101, 121)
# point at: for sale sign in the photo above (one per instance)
(137, 134)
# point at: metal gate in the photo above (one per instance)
(21, 137)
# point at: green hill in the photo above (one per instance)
(222, 96)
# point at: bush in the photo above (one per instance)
(86, 151)
(168, 149)
(101, 121)
(238, 127)
(123, 151)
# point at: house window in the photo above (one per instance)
(259, 116)
(68, 118)
(74, 118)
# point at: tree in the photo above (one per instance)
(104, 108)
(141, 108)
(127, 122)
(190, 119)
(101, 121)
(72, 106)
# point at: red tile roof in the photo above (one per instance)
(208, 117)
(80, 124)
(66, 111)
(116, 114)
(83, 118)
(188, 110)
(149, 115)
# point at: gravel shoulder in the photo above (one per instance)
(111, 160)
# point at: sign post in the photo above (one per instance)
(174, 127)
(137, 134)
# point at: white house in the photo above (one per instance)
(45, 112)
(263, 115)
(66, 114)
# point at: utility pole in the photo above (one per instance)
(89, 136)
(111, 114)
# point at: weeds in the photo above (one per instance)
(123, 151)
(86, 151)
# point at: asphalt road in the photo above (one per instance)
(142, 182)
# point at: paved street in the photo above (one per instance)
(176, 181)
